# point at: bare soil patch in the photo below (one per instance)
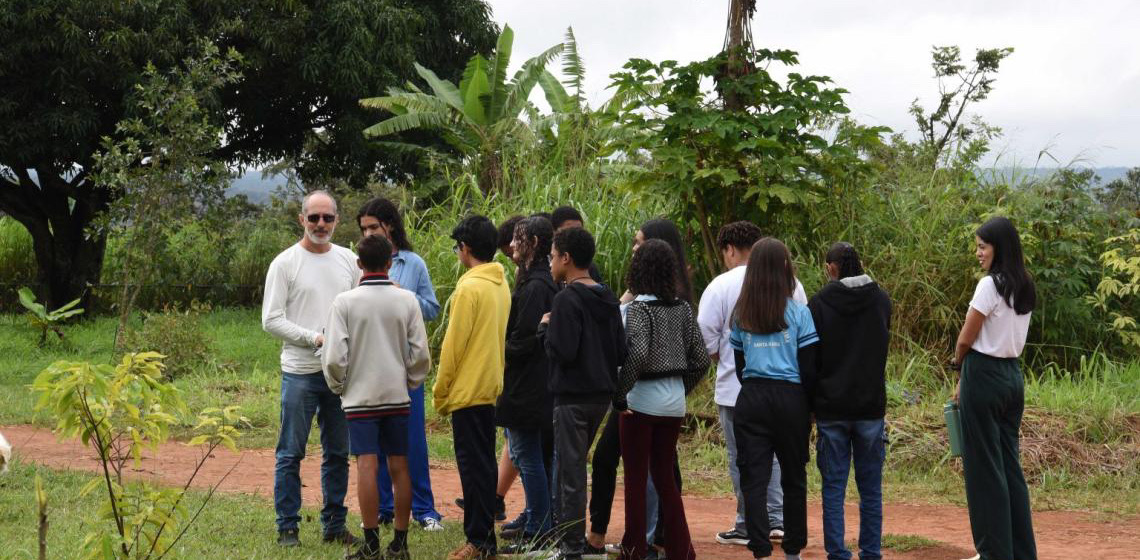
(1060, 534)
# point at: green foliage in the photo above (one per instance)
(1117, 292)
(17, 259)
(959, 86)
(162, 169)
(765, 162)
(1123, 195)
(119, 411)
(177, 335)
(479, 117)
(42, 319)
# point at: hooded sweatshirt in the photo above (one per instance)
(471, 360)
(525, 400)
(585, 342)
(853, 319)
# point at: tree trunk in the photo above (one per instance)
(57, 213)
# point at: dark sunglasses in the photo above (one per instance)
(314, 218)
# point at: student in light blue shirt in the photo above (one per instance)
(380, 216)
(774, 344)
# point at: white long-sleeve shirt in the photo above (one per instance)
(714, 316)
(299, 290)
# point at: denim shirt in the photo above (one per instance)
(410, 272)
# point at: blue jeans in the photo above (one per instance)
(302, 397)
(775, 491)
(526, 453)
(837, 443)
(423, 502)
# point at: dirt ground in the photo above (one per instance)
(1060, 534)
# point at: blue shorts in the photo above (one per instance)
(380, 435)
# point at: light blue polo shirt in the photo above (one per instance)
(774, 355)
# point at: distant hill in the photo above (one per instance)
(256, 188)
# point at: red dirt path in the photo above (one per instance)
(1060, 534)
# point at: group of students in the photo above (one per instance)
(562, 358)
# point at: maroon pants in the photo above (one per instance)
(649, 447)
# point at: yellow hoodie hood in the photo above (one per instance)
(473, 355)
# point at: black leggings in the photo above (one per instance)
(603, 480)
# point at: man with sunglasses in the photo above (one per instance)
(300, 287)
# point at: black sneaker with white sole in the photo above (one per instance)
(735, 536)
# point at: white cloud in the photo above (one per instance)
(1073, 81)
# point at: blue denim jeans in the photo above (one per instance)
(302, 397)
(837, 443)
(423, 502)
(775, 492)
(526, 453)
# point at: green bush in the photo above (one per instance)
(179, 335)
(17, 260)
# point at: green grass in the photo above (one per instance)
(232, 526)
(906, 543)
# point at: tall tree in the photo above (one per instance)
(68, 69)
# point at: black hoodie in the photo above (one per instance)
(585, 342)
(525, 401)
(853, 319)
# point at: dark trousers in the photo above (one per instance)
(772, 417)
(992, 401)
(575, 426)
(603, 479)
(473, 434)
(649, 447)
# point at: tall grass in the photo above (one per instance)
(17, 260)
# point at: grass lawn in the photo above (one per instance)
(1081, 439)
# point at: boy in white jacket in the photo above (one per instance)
(375, 351)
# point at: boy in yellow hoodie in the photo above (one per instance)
(470, 378)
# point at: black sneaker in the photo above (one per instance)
(396, 554)
(363, 552)
(594, 550)
(342, 537)
(734, 536)
(516, 524)
(459, 502)
(288, 538)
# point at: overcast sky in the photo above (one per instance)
(1072, 86)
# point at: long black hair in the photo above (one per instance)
(386, 212)
(539, 229)
(845, 256)
(1011, 279)
(660, 228)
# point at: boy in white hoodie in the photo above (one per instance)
(375, 351)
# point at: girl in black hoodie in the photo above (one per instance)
(852, 315)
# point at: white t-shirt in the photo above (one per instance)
(714, 316)
(299, 290)
(1003, 332)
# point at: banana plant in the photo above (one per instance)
(41, 318)
(479, 117)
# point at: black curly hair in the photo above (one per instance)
(742, 235)
(665, 230)
(507, 232)
(652, 271)
(578, 243)
(539, 229)
(385, 210)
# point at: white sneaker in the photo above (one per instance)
(974, 557)
(776, 535)
(431, 524)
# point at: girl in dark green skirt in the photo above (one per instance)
(991, 396)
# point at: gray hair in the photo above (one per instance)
(305, 201)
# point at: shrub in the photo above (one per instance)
(178, 335)
(17, 261)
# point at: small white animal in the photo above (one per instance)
(5, 454)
